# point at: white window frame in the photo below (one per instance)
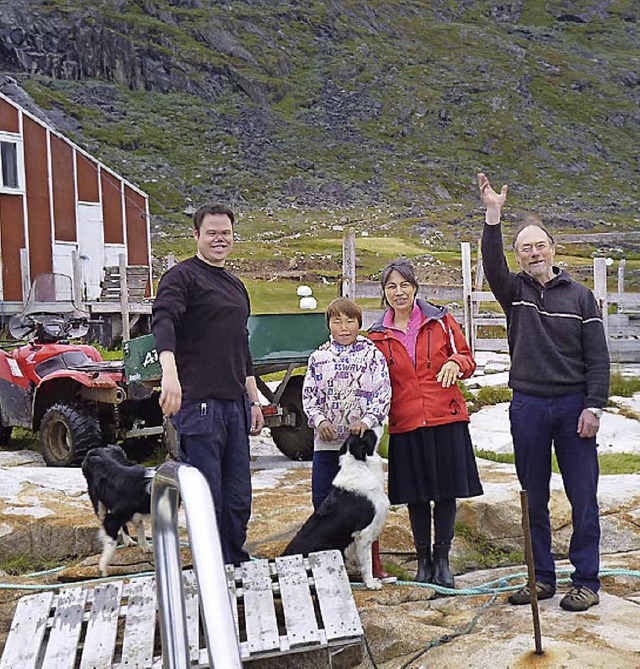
(16, 139)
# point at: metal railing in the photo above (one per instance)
(173, 481)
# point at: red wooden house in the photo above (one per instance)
(58, 203)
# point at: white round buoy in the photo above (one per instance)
(308, 303)
(609, 262)
(304, 291)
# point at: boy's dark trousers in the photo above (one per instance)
(326, 465)
(536, 422)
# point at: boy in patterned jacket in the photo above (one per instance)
(346, 391)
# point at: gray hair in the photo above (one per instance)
(532, 220)
(406, 271)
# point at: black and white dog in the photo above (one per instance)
(351, 517)
(120, 492)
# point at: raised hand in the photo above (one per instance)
(492, 201)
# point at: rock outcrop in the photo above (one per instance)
(46, 512)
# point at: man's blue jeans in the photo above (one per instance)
(536, 423)
(214, 438)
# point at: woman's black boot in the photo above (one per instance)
(442, 574)
(425, 565)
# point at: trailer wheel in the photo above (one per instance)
(295, 442)
(67, 433)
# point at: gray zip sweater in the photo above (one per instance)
(556, 337)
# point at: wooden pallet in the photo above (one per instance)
(137, 279)
(285, 606)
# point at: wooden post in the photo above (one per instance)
(171, 261)
(124, 298)
(25, 274)
(528, 554)
(76, 279)
(348, 288)
(600, 290)
(469, 328)
(479, 276)
(621, 268)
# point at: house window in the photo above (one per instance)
(9, 164)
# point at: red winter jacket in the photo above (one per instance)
(417, 399)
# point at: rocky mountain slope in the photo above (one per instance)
(344, 105)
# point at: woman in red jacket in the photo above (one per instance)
(430, 453)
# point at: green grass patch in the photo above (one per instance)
(397, 571)
(383, 446)
(278, 376)
(486, 396)
(623, 386)
(22, 440)
(619, 463)
(482, 554)
(22, 565)
(610, 463)
(490, 395)
(508, 458)
(109, 353)
(279, 297)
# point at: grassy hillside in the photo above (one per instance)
(306, 115)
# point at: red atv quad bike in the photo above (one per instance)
(65, 390)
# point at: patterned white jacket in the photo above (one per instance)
(344, 384)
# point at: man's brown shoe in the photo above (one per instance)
(523, 596)
(579, 598)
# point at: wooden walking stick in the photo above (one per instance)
(528, 556)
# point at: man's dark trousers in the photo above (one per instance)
(214, 438)
(536, 422)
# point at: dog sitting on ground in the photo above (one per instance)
(120, 492)
(351, 517)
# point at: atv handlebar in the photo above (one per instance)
(49, 328)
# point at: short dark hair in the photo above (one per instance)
(405, 269)
(211, 208)
(343, 306)
(535, 221)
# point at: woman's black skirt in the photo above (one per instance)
(432, 463)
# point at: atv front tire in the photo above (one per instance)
(67, 432)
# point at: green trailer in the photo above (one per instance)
(278, 342)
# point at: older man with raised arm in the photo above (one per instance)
(200, 326)
(560, 380)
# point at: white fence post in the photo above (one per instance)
(600, 291)
(621, 268)
(348, 288)
(467, 287)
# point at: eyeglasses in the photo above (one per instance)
(529, 248)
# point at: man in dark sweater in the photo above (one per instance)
(560, 379)
(200, 326)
